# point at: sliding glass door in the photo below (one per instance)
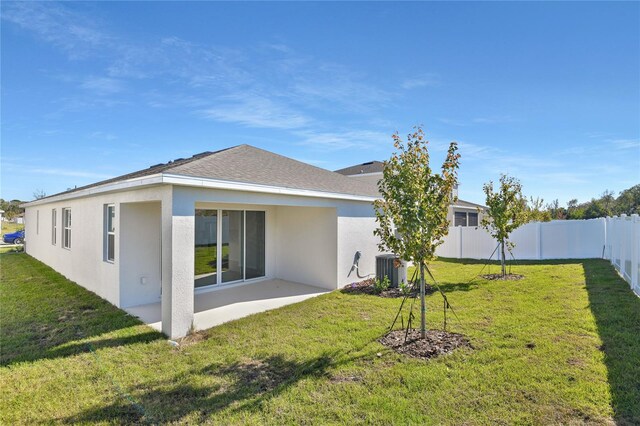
(232, 245)
(206, 251)
(231, 242)
(254, 265)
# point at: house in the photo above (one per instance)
(461, 213)
(1, 215)
(167, 240)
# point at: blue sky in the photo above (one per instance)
(547, 92)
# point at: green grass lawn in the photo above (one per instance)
(9, 227)
(561, 346)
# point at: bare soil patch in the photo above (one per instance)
(436, 343)
(499, 277)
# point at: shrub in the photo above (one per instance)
(405, 288)
(380, 286)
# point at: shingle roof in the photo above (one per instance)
(248, 164)
(245, 163)
(369, 167)
(378, 167)
(464, 203)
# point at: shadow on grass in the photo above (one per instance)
(242, 386)
(617, 312)
(50, 343)
(46, 316)
(515, 262)
(452, 287)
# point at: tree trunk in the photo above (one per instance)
(423, 305)
(503, 260)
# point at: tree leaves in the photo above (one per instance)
(412, 214)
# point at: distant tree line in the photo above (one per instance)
(11, 208)
(627, 202)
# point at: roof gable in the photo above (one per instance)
(248, 164)
(368, 167)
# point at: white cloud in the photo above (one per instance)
(493, 119)
(426, 80)
(349, 139)
(478, 120)
(625, 143)
(70, 173)
(256, 111)
(76, 34)
(103, 85)
(103, 135)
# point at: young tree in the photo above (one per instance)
(412, 214)
(507, 210)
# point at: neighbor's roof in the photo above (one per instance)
(251, 165)
(369, 167)
(463, 203)
(378, 167)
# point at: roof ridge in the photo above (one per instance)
(159, 168)
(291, 159)
(196, 162)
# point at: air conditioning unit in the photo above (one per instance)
(392, 267)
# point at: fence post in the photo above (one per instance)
(623, 244)
(606, 251)
(539, 240)
(635, 224)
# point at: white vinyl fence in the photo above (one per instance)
(613, 238)
(623, 247)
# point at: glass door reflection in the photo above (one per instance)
(232, 245)
(206, 253)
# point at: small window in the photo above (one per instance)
(460, 219)
(473, 219)
(54, 227)
(109, 232)
(66, 228)
(37, 222)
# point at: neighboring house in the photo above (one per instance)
(1, 215)
(173, 232)
(461, 213)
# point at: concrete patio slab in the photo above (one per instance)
(221, 305)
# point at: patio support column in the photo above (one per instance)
(177, 265)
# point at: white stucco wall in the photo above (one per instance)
(140, 253)
(356, 223)
(309, 240)
(303, 223)
(84, 262)
(306, 249)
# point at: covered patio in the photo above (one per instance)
(225, 304)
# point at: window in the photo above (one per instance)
(460, 219)
(465, 219)
(473, 219)
(54, 227)
(109, 232)
(229, 246)
(66, 228)
(37, 222)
